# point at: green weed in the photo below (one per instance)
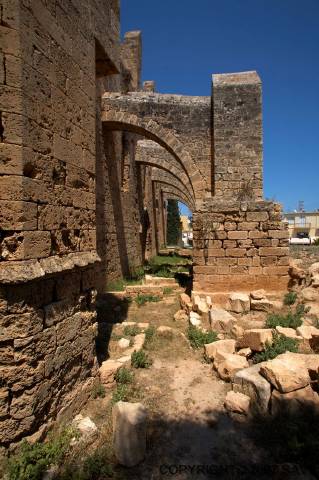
(124, 376)
(143, 299)
(98, 391)
(131, 330)
(290, 298)
(140, 360)
(279, 345)
(121, 393)
(198, 338)
(31, 461)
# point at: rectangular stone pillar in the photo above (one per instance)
(237, 136)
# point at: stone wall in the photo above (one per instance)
(239, 246)
(71, 201)
(47, 350)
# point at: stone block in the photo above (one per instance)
(237, 402)
(221, 320)
(226, 346)
(251, 383)
(129, 432)
(232, 364)
(285, 375)
(239, 302)
(256, 338)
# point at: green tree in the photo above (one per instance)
(173, 223)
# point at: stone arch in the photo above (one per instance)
(174, 193)
(167, 181)
(150, 129)
(151, 154)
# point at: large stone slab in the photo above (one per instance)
(299, 401)
(221, 320)
(251, 383)
(285, 375)
(225, 346)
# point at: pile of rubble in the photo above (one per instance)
(289, 380)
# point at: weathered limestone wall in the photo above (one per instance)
(61, 180)
(237, 136)
(239, 246)
(47, 350)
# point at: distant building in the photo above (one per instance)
(303, 225)
(187, 231)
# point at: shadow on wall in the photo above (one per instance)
(223, 447)
(111, 309)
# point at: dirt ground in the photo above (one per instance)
(190, 435)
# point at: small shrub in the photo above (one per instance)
(198, 338)
(290, 298)
(95, 467)
(142, 299)
(280, 345)
(316, 242)
(131, 330)
(121, 394)
(124, 376)
(167, 290)
(290, 320)
(98, 391)
(31, 461)
(136, 273)
(149, 334)
(140, 360)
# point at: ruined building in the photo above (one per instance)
(87, 159)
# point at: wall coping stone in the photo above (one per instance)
(28, 270)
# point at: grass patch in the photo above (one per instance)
(198, 338)
(121, 284)
(149, 334)
(167, 290)
(290, 298)
(31, 461)
(121, 393)
(279, 345)
(290, 320)
(143, 299)
(169, 260)
(98, 391)
(124, 376)
(140, 360)
(131, 330)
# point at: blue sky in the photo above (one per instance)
(184, 42)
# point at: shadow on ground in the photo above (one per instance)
(284, 446)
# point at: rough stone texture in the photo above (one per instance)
(256, 338)
(239, 246)
(83, 200)
(237, 402)
(250, 382)
(239, 302)
(221, 320)
(297, 402)
(230, 366)
(226, 346)
(129, 432)
(285, 375)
